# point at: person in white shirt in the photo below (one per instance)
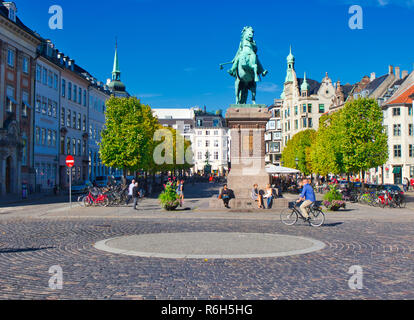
(130, 187)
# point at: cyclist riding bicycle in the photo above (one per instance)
(307, 196)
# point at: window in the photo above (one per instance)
(397, 151)
(44, 76)
(90, 130)
(74, 120)
(296, 110)
(216, 143)
(69, 90)
(54, 138)
(304, 122)
(38, 73)
(67, 145)
(80, 96)
(75, 92)
(25, 65)
(410, 129)
(310, 124)
(411, 150)
(84, 147)
(411, 171)
(55, 81)
(321, 108)
(37, 135)
(216, 122)
(309, 108)
(79, 148)
(49, 137)
(25, 99)
(54, 109)
(397, 129)
(49, 108)
(199, 143)
(304, 108)
(216, 155)
(200, 133)
(84, 100)
(43, 136)
(63, 87)
(12, 14)
(296, 124)
(62, 117)
(74, 146)
(50, 79)
(79, 122)
(84, 123)
(10, 58)
(207, 143)
(199, 155)
(44, 105)
(207, 133)
(410, 111)
(199, 123)
(68, 116)
(396, 111)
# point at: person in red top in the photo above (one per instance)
(412, 183)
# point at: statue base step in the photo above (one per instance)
(246, 203)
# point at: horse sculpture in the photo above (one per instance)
(246, 68)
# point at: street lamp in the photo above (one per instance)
(297, 162)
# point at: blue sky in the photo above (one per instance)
(170, 50)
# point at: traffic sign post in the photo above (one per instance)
(70, 162)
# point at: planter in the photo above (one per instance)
(171, 207)
(335, 205)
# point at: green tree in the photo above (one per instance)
(127, 137)
(299, 148)
(326, 151)
(364, 142)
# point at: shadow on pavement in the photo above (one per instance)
(24, 250)
(334, 224)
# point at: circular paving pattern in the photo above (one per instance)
(210, 245)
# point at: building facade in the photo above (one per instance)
(18, 45)
(304, 101)
(211, 143)
(273, 135)
(47, 106)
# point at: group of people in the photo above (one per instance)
(259, 196)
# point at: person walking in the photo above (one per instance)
(308, 198)
(406, 184)
(180, 191)
(135, 195)
(129, 197)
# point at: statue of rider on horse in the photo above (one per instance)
(246, 67)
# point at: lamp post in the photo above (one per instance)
(296, 162)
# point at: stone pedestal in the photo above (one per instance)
(247, 124)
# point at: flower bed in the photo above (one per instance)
(334, 205)
(168, 198)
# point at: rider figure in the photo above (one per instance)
(249, 49)
(307, 196)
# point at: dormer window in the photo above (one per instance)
(12, 10)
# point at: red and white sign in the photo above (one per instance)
(70, 162)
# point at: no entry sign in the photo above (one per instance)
(70, 162)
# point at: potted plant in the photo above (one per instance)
(333, 199)
(168, 198)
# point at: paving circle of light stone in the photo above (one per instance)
(210, 245)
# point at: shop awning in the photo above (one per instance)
(396, 170)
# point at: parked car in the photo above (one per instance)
(81, 187)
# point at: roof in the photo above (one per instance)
(313, 85)
(404, 97)
(374, 84)
(5, 13)
(173, 113)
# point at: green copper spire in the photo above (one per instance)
(305, 85)
(291, 66)
(116, 73)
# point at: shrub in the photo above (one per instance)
(169, 198)
(333, 199)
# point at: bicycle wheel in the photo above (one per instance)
(289, 217)
(86, 201)
(80, 201)
(317, 217)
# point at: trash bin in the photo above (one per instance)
(24, 190)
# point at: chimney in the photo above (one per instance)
(390, 69)
(372, 76)
(397, 73)
(404, 73)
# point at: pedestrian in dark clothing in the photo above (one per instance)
(225, 196)
(135, 195)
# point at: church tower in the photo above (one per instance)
(116, 86)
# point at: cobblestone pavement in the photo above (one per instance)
(29, 247)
